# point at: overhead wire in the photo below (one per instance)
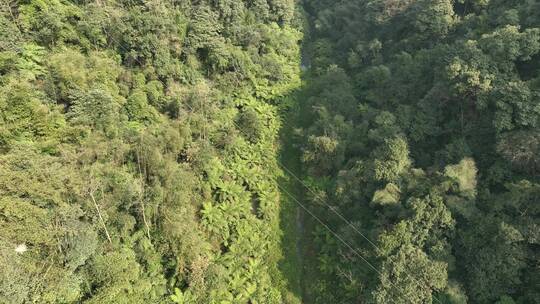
(326, 226)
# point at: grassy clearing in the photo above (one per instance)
(291, 265)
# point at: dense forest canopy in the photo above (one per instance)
(421, 127)
(270, 151)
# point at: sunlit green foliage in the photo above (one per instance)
(138, 150)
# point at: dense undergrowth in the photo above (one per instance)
(138, 145)
(158, 151)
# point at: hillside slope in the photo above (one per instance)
(138, 146)
(420, 146)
